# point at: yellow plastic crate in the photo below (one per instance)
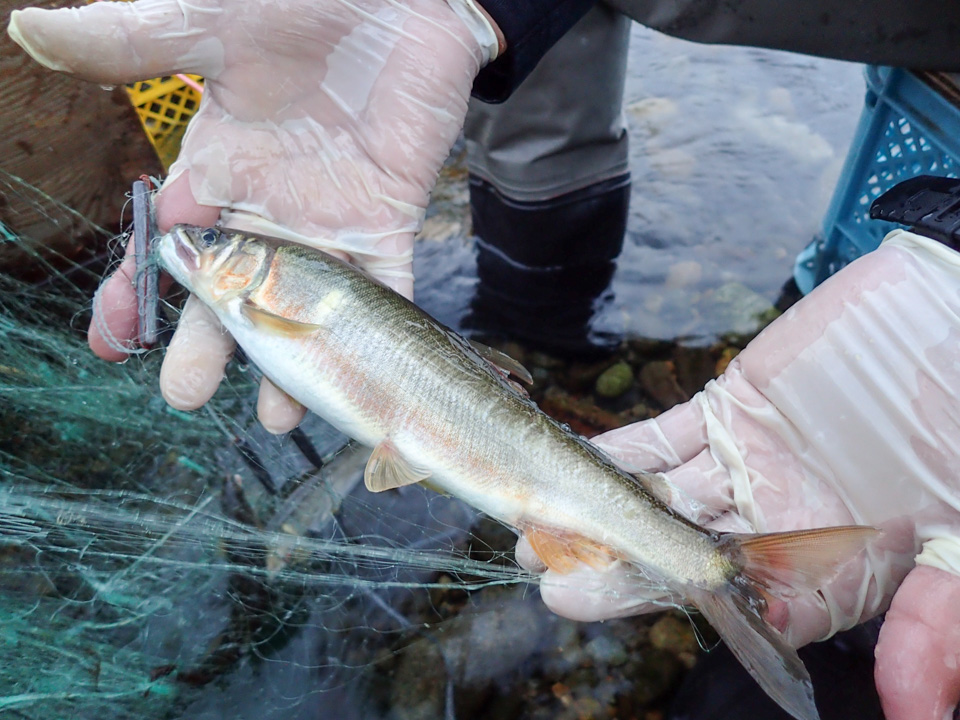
(165, 106)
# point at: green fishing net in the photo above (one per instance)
(155, 563)
(163, 564)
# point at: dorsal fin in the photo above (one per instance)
(503, 362)
(656, 484)
(388, 469)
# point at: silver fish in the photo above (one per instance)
(434, 409)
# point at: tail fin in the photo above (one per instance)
(786, 564)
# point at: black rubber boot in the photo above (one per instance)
(545, 267)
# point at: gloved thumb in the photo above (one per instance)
(918, 654)
(120, 42)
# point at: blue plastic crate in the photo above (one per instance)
(910, 126)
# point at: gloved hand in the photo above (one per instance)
(322, 121)
(843, 411)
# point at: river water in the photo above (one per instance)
(735, 153)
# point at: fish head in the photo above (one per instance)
(215, 264)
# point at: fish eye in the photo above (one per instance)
(208, 237)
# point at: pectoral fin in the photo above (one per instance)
(269, 322)
(387, 469)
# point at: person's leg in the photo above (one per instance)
(549, 191)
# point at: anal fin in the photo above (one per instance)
(562, 552)
(388, 469)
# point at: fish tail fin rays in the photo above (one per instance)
(734, 612)
(784, 564)
(791, 563)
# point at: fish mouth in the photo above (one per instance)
(179, 253)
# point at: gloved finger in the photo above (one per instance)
(401, 280)
(587, 595)
(118, 42)
(527, 558)
(591, 595)
(664, 442)
(918, 654)
(114, 323)
(196, 357)
(175, 204)
(113, 327)
(278, 412)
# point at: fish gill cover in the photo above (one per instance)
(159, 564)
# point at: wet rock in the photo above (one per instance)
(683, 274)
(541, 376)
(658, 379)
(541, 360)
(726, 357)
(641, 350)
(607, 650)
(614, 381)
(674, 634)
(739, 309)
(583, 416)
(418, 690)
(494, 642)
(655, 674)
(695, 366)
(581, 376)
(471, 651)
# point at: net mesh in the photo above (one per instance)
(157, 563)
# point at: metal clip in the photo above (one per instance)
(146, 278)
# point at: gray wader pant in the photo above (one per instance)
(563, 128)
(549, 192)
(549, 177)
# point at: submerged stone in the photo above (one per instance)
(614, 381)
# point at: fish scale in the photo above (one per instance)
(378, 368)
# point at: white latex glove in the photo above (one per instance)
(322, 121)
(846, 410)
